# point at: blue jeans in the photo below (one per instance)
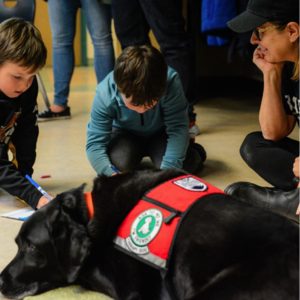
(63, 25)
(134, 18)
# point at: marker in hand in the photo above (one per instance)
(115, 169)
(38, 187)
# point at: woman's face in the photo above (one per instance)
(277, 45)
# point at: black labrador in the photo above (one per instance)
(225, 249)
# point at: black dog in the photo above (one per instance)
(225, 249)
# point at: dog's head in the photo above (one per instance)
(52, 246)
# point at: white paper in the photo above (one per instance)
(20, 214)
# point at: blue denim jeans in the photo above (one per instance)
(63, 25)
(134, 18)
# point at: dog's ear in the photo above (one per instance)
(73, 202)
(70, 234)
(71, 198)
(72, 246)
(78, 250)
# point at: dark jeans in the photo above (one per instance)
(134, 18)
(126, 151)
(273, 161)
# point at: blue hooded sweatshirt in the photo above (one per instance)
(108, 111)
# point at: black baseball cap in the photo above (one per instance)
(259, 12)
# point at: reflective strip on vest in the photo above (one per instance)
(149, 229)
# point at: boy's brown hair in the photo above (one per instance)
(141, 72)
(21, 43)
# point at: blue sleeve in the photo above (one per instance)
(99, 131)
(214, 17)
(175, 114)
(215, 14)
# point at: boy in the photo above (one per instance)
(22, 55)
(140, 110)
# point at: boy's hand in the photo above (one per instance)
(43, 201)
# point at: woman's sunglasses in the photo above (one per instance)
(257, 34)
(259, 31)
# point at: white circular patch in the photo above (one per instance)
(145, 227)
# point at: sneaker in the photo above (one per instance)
(48, 115)
(194, 130)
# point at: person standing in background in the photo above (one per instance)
(62, 16)
(133, 20)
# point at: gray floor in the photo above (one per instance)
(224, 121)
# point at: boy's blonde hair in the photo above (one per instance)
(21, 43)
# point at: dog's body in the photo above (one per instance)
(225, 249)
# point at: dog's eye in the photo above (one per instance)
(31, 247)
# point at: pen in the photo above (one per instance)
(38, 187)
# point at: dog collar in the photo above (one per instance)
(89, 204)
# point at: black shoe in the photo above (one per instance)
(195, 157)
(281, 202)
(201, 151)
(48, 115)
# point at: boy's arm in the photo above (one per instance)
(26, 133)
(98, 134)
(24, 140)
(13, 182)
(176, 120)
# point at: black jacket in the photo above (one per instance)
(19, 133)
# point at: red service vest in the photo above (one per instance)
(149, 229)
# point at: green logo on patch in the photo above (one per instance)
(145, 227)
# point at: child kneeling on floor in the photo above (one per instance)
(22, 55)
(140, 110)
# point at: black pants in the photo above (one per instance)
(273, 161)
(126, 151)
(133, 20)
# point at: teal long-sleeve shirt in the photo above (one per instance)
(109, 110)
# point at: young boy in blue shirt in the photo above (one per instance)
(140, 110)
(22, 55)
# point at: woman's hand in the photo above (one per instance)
(260, 61)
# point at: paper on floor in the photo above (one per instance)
(21, 214)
